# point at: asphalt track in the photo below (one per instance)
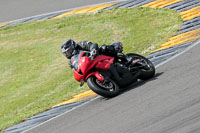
(168, 103)
(17, 9)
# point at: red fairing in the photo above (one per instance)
(105, 64)
(101, 62)
(85, 64)
(96, 74)
(78, 76)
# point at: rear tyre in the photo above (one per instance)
(146, 72)
(109, 89)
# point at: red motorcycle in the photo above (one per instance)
(96, 72)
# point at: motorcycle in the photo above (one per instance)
(96, 72)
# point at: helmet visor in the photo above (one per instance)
(68, 53)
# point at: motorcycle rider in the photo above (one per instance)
(71, 49)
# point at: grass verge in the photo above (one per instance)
(35, 75)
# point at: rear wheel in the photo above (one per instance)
(146, 66)
(108, 89)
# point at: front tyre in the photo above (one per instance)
(109, 89)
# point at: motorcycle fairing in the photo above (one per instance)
(97, 75)
(86, 64)
(81, 78)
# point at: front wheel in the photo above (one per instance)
(108, 89)
(147, 68)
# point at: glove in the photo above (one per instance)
(93, 53)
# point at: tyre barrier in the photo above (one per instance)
(186, 37)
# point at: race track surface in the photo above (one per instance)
(168, 103)
(17, 9)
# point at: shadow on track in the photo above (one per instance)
(140, 83)
(136, 85)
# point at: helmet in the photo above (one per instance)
(118, 47)
(68, 48)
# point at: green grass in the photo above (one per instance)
(34, 73)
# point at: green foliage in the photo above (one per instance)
(34, 73)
